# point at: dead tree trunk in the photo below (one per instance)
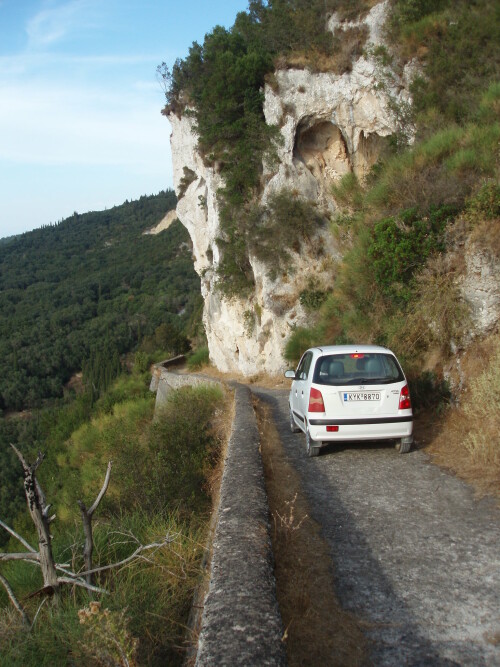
(87, 526)
(39, 511)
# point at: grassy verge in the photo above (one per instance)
(317, 630)
(164, 477)
(469, 443)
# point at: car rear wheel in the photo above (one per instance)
(312, 447)
(293, 426)
(403, 446)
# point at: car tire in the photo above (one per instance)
(293, 426)
(403, 447)
(312, 447)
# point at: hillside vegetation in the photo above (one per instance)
(162, 481)
(96, 296)
(87, 290)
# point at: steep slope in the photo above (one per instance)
(330, 125)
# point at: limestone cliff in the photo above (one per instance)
(330, 125)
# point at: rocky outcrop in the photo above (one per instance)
(480, 287)
(164, 224)
(331, 125)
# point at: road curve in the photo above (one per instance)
(415, 555)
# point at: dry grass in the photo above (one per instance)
(317, 630)
(486, 235)
(221, 427)
(438, 315)
(261, 379)
(469, 441)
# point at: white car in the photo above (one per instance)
(350, 393)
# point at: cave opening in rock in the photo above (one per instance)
(322, 148)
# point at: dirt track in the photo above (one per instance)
(415, 556)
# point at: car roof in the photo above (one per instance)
(350, 349)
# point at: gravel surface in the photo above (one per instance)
(415, 555)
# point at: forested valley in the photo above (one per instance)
(79, 302)
(92, 283)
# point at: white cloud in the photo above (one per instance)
(54, 23)
(12, 67)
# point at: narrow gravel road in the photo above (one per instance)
(415, 556)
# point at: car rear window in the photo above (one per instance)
(357, 368)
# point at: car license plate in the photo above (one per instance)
(350, 396)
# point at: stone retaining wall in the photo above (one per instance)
(164, 380)
(241, 623)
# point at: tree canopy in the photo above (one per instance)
(93, 281)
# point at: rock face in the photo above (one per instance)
(330, 125)
(164, 224)
(480, 287)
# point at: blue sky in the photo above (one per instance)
(80, 121)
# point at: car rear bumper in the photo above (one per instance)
(387, 428)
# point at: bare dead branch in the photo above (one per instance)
(28, 468)
(41, 495)
(125, 561)
(102, 491)
(14, 600)
(17, 536)
(19, 456)
(38, 611)
(87, 524)
(20, 556)
(82, 583)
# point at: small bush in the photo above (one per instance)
(348, 192)
(276, 230)
(429, 392)
(401, 245)
(300, 340)
(407, 12)
(437, 315)
(183, 447)
(485, 203)
(185, 182)
(199, 358)
(313, 296)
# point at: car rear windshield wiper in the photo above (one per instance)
(370, 381)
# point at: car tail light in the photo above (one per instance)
(332, 429)
(404, 398)
(316, 401)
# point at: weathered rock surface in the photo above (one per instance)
(164, 224)
(480, 286)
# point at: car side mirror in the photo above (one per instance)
(290, 375)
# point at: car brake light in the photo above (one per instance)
(332, 429)
(357, 355)
(404, 398)
(316, 401)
